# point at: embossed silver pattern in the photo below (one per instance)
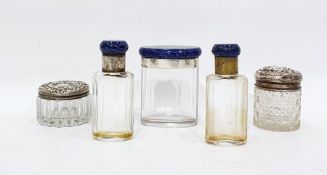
(277, 110)
(63, 90)
(278, 75)
(273, 77)
(63, 103)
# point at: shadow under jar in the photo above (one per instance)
(277, 99)
(169, 86)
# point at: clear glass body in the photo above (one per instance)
(113, 106)
(226, 109)
(277, 110)
(63, 113)
(170, 93)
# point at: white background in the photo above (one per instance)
(43, 41)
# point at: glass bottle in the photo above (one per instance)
(226, 98)
(170, 86)
(113, 95)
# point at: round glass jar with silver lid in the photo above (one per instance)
(169, 85)
(63, 104)
(277, 98)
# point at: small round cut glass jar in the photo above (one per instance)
(277, 99)
(169, 86)
(63, 104)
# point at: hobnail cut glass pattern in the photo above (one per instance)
(277, 110)
(63, 113)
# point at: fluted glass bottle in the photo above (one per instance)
(226, 100)
(113, 95)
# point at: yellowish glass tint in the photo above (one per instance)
(226, 109)
(112, 135)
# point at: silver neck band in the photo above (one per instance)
(169, 63)
(113, 63)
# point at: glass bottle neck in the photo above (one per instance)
(226, 65)
(113, 63)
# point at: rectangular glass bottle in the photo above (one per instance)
(113, 100)
(226, 101)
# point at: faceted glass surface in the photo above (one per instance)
(277, 110)
(226, 109)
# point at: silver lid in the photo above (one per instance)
(278, 78)
(63, 90)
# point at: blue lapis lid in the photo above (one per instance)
(170, 52)
(226, 50)
(113, 47)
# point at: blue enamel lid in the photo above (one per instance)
(113, 47)
(226, 50)
(170, 52)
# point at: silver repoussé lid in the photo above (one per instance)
(283, 78)
(63, 90)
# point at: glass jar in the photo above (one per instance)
(63, 103)
(113, 95)
(226, 98)
(169, 86)
(277, 99)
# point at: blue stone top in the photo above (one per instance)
(113, 47)
(170, 52)
(226, 50)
